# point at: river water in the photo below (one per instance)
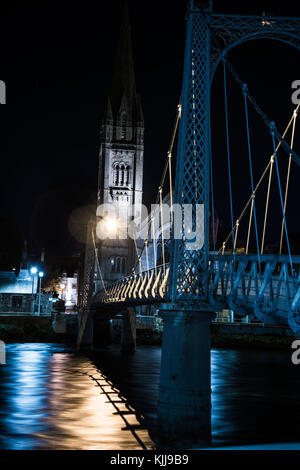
(52, 397)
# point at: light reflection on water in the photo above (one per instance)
(47, 402)
(54, 398)
(255, 394)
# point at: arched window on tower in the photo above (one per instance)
(121, 177)
(116, 170)
(121, 174)
(112, 264)
(126, 175)
(123, 265)
(118, 264)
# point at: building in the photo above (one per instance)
(68, 290)
(20, 293)
(120, 161)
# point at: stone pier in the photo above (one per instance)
(184, 405)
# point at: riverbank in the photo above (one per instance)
(30, 329)
(246, 341)
(227, 338)
(235, 335)
(25, 329)
(251, 336)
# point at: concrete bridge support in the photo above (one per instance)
(128, 335)
(87, 338)
(101, 332)
(184, 404)
(96, 333)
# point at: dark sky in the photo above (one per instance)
(57, 60)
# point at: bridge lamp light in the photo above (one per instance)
(110, 225)
(33, 270)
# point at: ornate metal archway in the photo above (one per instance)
(209, 36)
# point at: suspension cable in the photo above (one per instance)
(253, 208)
(267, 121)
(247, 203)
(147, 258)
(272, 129)
(178, 116)
(212, 192)
(171, 187)
(228, 154)
(139, 259)
(288, 179)
(267, 204)
(222, 249)
(236, 234)
(98, 264)
(154, 246)
(162, 230)
(162, 181)
(249, 225)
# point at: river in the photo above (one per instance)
(52, 397)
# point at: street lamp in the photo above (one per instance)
(33, 271)
(41, 274)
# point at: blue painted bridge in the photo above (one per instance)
(190, 283)
(269, 288)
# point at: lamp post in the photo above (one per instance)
(41, 274)
(33, 271)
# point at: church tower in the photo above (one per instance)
(121, 155)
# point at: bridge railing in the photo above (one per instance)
(143, 287)
(268, 287)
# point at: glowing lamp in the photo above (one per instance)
(111, 224)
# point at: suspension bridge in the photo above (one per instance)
(185, 278)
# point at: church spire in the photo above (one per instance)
(123, 90)
(121, 155)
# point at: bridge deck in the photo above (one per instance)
(270, 288)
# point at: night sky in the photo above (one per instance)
(57, 61)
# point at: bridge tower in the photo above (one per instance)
(121, 156)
